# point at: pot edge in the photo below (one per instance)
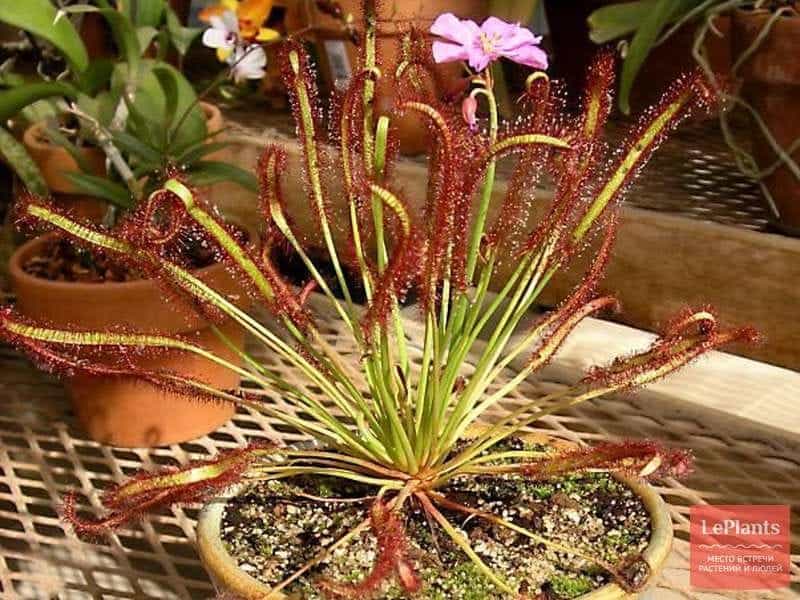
(224, 571)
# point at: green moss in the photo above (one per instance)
(540, 491)
(568, 587)
(465, 582)
(266, 549)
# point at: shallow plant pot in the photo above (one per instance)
(340, 56)
(121, 412)
(772, 85)
(229, 578)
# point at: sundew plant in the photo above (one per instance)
(389, 423)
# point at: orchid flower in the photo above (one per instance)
(223, 35)
(250, 16)
(464, 40)
(248, 63)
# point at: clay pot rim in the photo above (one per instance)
(35, 138)
(212, 113)
(17, 273)
(224, 570)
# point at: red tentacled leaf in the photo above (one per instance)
(598, 97)
(403, 269)
(170, 486)
(677, 348)
(301, 88)
(392, 560)
(641, 458)
(689, 94)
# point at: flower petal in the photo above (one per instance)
(520, 37)
(224, 53)
(230, 21)
(453, 29)
(208, 12)
(478, 59)
(444, 52)
(509, 36)
(216, 38)
(494, 27)
(249, 63)
(255, 12)
(530, 55)
(265, 34)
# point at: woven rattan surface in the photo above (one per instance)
(42, 455)
(694, 175)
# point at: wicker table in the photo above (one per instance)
(42, 455)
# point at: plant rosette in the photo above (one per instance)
(258, 535)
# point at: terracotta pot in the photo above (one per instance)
(215, 123)
(228, 577)
(122, 412)
(339, 56)
(55, 162)
(772, 85)
(214, 119)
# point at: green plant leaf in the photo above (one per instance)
(208, 172)
(145, 36)
(198, 151)
(101, 187)
(640, 47)
(125, 36)
(617, 20)
(144, 13)
(181, 37)
(179, 97)
(39, 18)
(134, 146)
(15, 99)
(22, 164)
(144, 128)
(96, 76)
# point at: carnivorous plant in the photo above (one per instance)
(387, 421)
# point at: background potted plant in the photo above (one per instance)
(339, 26)
(765, 34)
(400, 473)
(117, 127)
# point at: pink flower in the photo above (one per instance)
(479, 46)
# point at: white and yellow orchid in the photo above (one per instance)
(249, 15)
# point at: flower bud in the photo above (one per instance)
(469, 110)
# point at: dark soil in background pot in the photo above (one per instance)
(271, 531)
(62, 260)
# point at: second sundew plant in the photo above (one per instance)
(403, 428)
